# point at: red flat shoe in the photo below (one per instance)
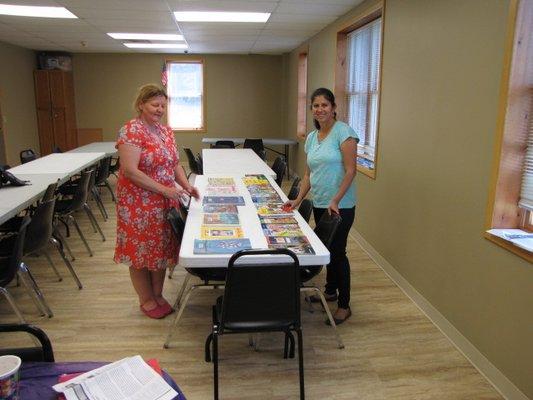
(166, 308)
(155, 313)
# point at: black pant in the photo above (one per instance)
(338, 270)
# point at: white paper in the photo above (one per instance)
(127, 379)
(518, 237)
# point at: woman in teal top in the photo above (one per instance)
(331, 152)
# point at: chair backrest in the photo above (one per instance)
(305, 209)
(224, 144)
(277, 161)
(280, 171)
(200, 164)
(40, 228)
(193, 164)
(327, 226)
(114, 167)
(256, 145)
(82, 189)
(29, 354)
(9, 265)
(57, 149)
(27, 156)
(295, 189)
(102, 173)
(50, 192)
(261, 296)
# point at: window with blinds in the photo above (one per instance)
(526, 193)
(363, 55)
(185, 90)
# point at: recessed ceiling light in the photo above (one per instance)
(208, 16)
(36, 11)
(146, 36)
(156, 45)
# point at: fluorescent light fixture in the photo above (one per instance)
(35, 11)
(156, 45)
(146, 36)
(209, 16)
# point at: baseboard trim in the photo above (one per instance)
(496, 378)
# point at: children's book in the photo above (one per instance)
(282, 230)
(220, 181)
(275, 209)
(236, 200)
(220, 208)
(255, 180)
(277, 219)
(297, 249)
(268, 199)
(287, 240)
(220, 190)
(225, 246)
(221, 219)
(221, 232)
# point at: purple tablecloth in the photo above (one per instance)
(37, 378)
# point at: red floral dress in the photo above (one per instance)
(144, 236)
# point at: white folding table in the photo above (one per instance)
(97, 147)
(230, 161)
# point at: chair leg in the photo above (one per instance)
(59, 248)
(326, 309)
(90, 219)
(178, 316)
(182, 290)
(13, 305)
(286, 345)
(61, 240)
(291, 346)
(59, 277)
(108, 186)
(96, 198)
(28, 281)
(93, 219)
(208, 342)
(301, 363)
(215, 363)
(81, 235)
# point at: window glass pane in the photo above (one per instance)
(185, 90)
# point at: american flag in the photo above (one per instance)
(164, 75)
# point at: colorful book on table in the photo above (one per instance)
(287, 240)
(298, 249)
(221, 232)
(220, 190)
(255, 180)
(275, 209)
(223, 246)
(268, 199)
(236, 200)
(221, 181)
(221, 219)
(281, 230)
(277, 219)
(220, 208)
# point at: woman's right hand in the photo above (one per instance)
(172, 192)
(291, 205)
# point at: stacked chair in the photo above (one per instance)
(257, 146)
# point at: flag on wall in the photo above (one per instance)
(164, 76)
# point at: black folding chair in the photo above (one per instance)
(259, 297)
(306, 209)
(193, 163)
(27, 156)
(224, 144)
(41, 353)
(257, 146)
(279, 168)
(294, 190)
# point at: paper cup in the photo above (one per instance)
(9, 377)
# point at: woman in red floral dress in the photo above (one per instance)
(146, 190)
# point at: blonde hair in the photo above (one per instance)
(147, 92)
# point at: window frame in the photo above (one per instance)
(200, 61)
(368, 16)
(503, 211)
(301, 102)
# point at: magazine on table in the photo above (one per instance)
(276, 209)
(255, 180)
(268, 199)
(221, 232)
(282, 230)
(221, 219)
(277, 219)
(220, 208)
(287, 240)
(296, 249)
(236, 200)
(224, 246)
(221, 181)
(220, 190)
(127, 379)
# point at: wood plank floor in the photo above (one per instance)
(392, 350)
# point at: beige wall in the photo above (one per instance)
(17, 99)
(243, 93)
(442, 64)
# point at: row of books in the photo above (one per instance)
(279, 226)
(221, 231)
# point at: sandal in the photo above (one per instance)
(155, 313)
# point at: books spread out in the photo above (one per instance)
(220, 208)
(227, 246)
(235, 200)
(221, 232)
(221, 219)
(127, 379)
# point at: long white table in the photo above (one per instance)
(97, 147)
(229, 161)
(250, 224)
(286, 143)
(56, 167)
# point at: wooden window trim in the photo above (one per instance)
(365, 17)
(195, 60)
(301, 107)
(509, 150)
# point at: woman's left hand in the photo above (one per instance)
(193, 192)
(333, 207)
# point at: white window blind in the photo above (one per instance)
(185, 91)
(362, 85)
(526, 193)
